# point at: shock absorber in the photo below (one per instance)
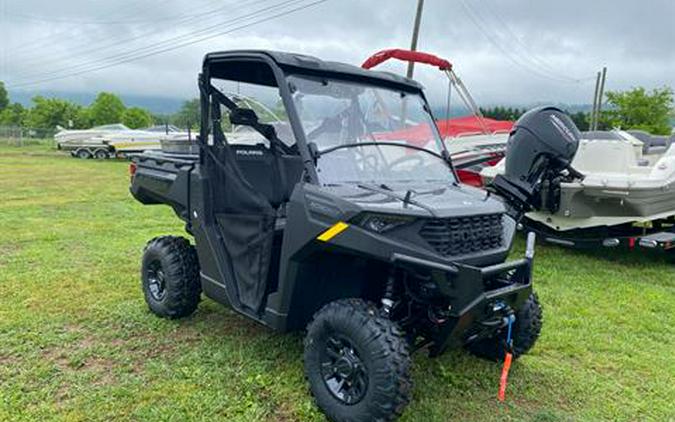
(388, 297)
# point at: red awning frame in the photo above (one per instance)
(442, 64)
(406, 56)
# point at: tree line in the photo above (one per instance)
(48, 113)
(636, 108)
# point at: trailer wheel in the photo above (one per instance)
(357, 363)
(170, 277)
(526, 329)
(101, 154)
(83, 153)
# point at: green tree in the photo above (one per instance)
(136, 117)
(83, 119)
(107, 108)
(639, 109)
(188, 115)
(47, 113)
(13, 115)
(4, 97)
(580, 119)
(503, 113)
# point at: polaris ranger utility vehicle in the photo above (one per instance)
(370, 245)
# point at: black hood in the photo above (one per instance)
(430, 200)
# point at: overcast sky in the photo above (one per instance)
(511, 52)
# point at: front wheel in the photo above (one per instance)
(525, 333)
(170, 277)
(357, 363)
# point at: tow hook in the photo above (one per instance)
(508, 322)
(508, 356)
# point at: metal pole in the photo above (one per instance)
(415, 35)
(591, 125)
(601, 93)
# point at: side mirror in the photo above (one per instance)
(243, 117)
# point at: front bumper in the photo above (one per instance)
(479, 298)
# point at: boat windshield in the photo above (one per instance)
(115, 126)
(369, 133)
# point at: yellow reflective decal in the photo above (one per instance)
(333, 231)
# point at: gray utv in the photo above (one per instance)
(322, 214)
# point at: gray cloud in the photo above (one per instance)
(520, 51)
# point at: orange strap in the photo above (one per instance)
(505, 376)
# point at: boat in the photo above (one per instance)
(473, 141)
(624, 193)
(113, 140)
(65, 137)
(132, 141)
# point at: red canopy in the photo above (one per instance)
(420, 134)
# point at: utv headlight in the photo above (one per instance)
(381, 223)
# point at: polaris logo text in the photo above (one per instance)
(249, 152)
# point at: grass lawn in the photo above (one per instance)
(78, 343)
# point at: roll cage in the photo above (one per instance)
(270, 68)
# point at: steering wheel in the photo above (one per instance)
(419, 162)
(367, 161)
(329, 124)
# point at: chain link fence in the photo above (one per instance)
(20, 136)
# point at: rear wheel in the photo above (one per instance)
(170, 277)
(83, 153)
(357, 363)
(101, 154)
(525, 333)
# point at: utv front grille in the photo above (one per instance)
(463, 235)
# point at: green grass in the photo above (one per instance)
(78, 343)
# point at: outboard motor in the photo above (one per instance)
(541, 147)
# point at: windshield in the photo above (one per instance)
(339, 113)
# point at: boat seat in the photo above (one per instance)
(618, 156)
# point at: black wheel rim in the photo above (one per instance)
(156, 281)
(343, 371)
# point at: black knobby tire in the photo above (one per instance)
(379, 386)
(525, 333)
(170, 277)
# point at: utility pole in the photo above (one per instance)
(591, 125)
(601, 93)
(415, 35)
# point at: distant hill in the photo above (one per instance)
(168, 105)
(439, 111)
(157, 105)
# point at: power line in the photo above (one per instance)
(34, 18)
(74, 31)
(159, 44)
(534, 59)
(40, 59)
(475, 19)
(184, 44)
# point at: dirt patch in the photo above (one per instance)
(102, 369)
(7, 361)
(7, 251)
(58, 357)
